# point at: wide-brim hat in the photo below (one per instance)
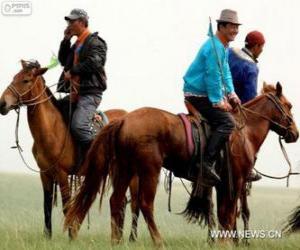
(76, 14)
(229, 16)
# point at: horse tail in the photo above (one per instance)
(293, 224)
(95, 169)
(199, 208)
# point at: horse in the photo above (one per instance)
(293, 222)
(54, 148)
(146, 139)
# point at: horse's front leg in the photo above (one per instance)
(47, 181)
(227, 212)
(245, 211)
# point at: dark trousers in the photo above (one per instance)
(81, 125)
(221, 122)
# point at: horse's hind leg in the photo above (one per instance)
(148, 180)
(135, 209)
(117, 205)
(47, 182)
(66, 195)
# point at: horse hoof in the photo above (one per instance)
(73, 232)
(132, 238)
(47, 234)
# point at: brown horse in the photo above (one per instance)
(54, 148)
(146, 139)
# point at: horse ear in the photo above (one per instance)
(278, 89)
(40, 71)
(23, 63)
(264, 85)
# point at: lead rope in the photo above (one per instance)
(20, 150)
(287, 176)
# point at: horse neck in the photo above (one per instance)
(257, 127)
(44, 116)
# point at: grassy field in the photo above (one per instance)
(21, 220)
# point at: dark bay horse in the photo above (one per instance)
(293, 222)
(146, 139)
(54, 148)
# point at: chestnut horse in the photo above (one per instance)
(146, 139)
(54, 148)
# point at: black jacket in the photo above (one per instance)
(92, 57)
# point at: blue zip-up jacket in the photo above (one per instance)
(203, 77)
(244, 72)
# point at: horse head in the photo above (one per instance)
(282, 121)
(21, 90)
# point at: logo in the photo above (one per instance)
(16, 8)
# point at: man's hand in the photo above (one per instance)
(234, 99)
(67, 76)
(68, 34)
(224, 105)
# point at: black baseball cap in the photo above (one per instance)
(76, 14)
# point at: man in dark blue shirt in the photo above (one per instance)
(244, 71)
(243, 66)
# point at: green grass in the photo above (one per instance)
(21, 220)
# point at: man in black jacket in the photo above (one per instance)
(84, 76)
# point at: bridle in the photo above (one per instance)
(34, 100)
(281, 130)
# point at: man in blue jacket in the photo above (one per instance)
(208, 87)
(243, 66)
(244, 70)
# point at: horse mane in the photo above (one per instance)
(50, 94)
(267, 88)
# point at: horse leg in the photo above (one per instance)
(245, 211)
(147, 190)
(47, 182)
(227, 210)
(117, 206)
(135, 210)
(65, 195)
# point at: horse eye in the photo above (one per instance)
(25, 81)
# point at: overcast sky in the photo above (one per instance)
(150, 45)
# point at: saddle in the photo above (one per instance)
(197, 132)
(98, 122)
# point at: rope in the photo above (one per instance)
(170, 191)
(186, 189)
(287, 176)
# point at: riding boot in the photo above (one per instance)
(82, 151)
(215, 143)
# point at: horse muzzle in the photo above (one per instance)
(291, 136)
(3, 108)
